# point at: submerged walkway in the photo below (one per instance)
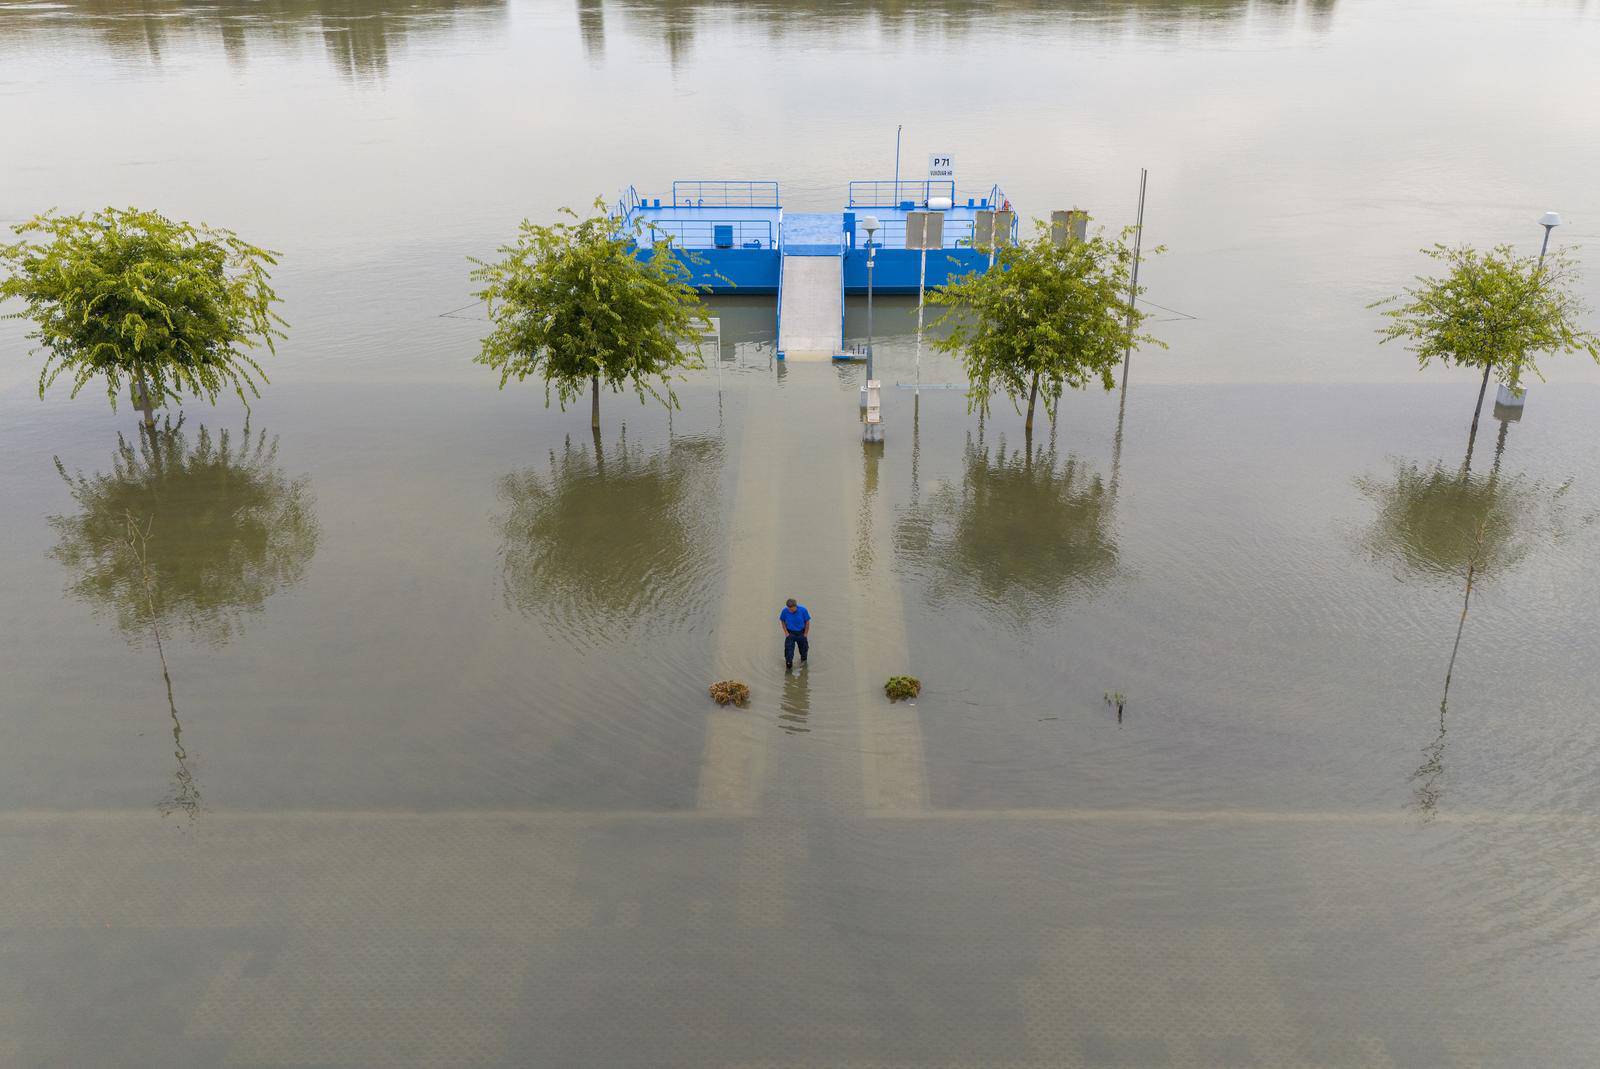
(794, 533)
(814, 907)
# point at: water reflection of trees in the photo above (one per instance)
(1434, 522)
(611, 537)
(1021, 530)
(358, 35)
(185, 533)
(676, 22)
(226, 529)
(1439, 523)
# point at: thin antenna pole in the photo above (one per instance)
(1133, 285)
(897, 130)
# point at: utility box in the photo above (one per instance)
(872, 415)
(722, 235)
(924, 230)
(1508, 403)
(1067, 227)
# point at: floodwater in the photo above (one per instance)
(369, 727)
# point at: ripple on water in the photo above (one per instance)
(609, 570)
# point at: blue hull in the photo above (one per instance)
(756, 271)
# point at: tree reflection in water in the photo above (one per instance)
(226, 530)
(185, 533)
(1430, 519)
(1022, 530)
(678, 23)
(1439, 524)
(361, 37)
(610, 537)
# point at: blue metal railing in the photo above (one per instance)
(626, 203)
(887, 193)
(993, 197)
(708, 193)
(705, 233)
(892, 234)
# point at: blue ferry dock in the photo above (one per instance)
(733, 236)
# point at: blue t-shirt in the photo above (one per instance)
(795, 619)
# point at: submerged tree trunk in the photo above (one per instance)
(1033, 394)
(594, 413)
(1472, 435)
(141, 399)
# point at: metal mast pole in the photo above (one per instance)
(897, 129)
(1133, 285)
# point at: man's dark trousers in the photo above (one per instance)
(793, 639)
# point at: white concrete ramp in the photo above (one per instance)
(810, 307)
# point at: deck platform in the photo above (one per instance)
(734, 237)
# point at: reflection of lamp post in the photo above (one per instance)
(1508, 402)
(870, 225)
(871, 398)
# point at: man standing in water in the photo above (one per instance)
(796, 623)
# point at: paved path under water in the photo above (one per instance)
(812, 909)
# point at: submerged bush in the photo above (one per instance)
(900, 687)
(730, 692)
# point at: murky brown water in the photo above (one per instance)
(384, 740)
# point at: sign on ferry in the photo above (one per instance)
(942, 167)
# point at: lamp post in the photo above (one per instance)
(1508, 403)
(1550, 220)
(871, 399)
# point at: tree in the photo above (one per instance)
(1493, 310)
(169, 307)
(576, 303)
(1047, 317)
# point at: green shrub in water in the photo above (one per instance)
(900, 687)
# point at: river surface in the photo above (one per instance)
(369, 726)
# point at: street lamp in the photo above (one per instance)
(1550, 220)
(1508, 403)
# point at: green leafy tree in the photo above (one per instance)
(1047, 318)
(585, 303)
(132, 296)
(1495, 310)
